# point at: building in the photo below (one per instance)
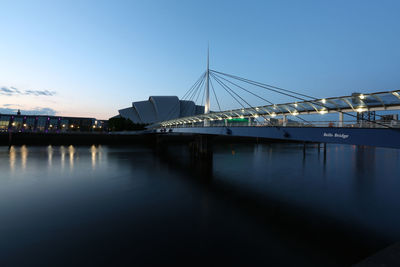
(45, 123)
(160, 108)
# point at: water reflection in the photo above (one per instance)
(93, 152)
(263, 182)
(71, 151)
(24, 156)
(62, 151)
(12, 157)
(50, 156)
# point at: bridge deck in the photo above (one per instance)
(381, 137)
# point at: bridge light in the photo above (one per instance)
(295, 104)
(362, 96)
(295, 113)
(323, 111)
(323, 100)
(361, 109)
(256, 116)
(241, 116)
(273, 114)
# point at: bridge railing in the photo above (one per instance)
(344, 124)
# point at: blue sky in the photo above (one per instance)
(95, 57)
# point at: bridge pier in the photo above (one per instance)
(201, 147)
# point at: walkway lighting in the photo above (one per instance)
(24, 124)
(361, 109)
(295, 113)
(72, 126)
(362, 96)
(94, 126)
(323, 100)
(295, 104)
(323, 111)
(273, 114)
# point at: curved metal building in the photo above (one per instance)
(160, 108)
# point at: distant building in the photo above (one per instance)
(45, 123)
(160, 108)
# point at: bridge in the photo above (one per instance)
(361, 118)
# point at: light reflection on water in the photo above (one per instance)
(50, 155)
(71, 151)
(357, 185)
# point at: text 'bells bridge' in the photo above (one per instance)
(363, 124)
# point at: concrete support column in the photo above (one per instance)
(249, 122)
(226, 122)
(284, 120)
(340, 119)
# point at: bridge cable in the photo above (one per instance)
(186, 94)
(225, 87)
(269, 102)
(275, 89)
(256, 95)
(195, 92)
(216, 98)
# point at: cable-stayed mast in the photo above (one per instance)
(207, 104)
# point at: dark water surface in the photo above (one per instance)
(259, 205)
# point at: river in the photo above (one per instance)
(251, 204)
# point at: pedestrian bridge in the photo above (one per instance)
(362, 118)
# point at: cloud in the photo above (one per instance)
(9, 91)
(39, 92)
(34, 111)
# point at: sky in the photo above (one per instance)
(91, 58)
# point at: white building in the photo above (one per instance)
(160, 108)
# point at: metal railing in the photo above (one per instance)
(344, 124)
